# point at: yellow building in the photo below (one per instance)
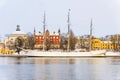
(6, 51)
(1, 44)
(98, 44)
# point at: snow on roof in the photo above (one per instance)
(107, 42)
(39, 33)
(18, 32)
(54, 34)
(51, 34)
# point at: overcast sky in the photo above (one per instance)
(29, 14)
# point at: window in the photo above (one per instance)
(36, 37)
(56, 37)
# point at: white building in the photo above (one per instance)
(10, 40)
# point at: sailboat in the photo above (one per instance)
(72, 53)
(110, 53)
(92, 52)
(68, 53)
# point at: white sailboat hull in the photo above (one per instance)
(112, 53)
(76, 54)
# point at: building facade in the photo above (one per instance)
(2, 45)
(47, 39)
(10, 39)
(98, 44)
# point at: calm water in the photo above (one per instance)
(59, 68)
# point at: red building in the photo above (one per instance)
(51, 40)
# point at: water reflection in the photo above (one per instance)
(59, 68)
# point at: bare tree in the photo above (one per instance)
(19, 42)
(29, 43)
(73, 40)
(47, 40)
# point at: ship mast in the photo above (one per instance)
(68, 47)
(44, 24)
(90, 37)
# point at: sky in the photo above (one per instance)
(105, 15)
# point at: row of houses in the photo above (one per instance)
(53, 40)
(109, 45)
(97, 43)
(50, 38)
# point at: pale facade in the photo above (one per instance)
(10, 40)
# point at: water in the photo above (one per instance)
(12, 68)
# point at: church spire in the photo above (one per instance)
(59, 31)
(34, 30)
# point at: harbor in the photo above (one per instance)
(59, 39)
(56, 45)
(35, 68)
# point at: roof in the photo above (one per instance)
(107, 42)
(18, 32)
(51, 34)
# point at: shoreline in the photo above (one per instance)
(57, 54)
(27, 56)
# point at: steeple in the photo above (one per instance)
(34, 30)
(59, 31)
(18, 28)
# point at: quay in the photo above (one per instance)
(37, 53)
(55, 54)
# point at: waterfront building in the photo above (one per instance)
(10, 40)
(1, 45)
(51, 39)
(116, 41)
(98, 44)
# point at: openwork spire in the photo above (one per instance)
(34, 30)
(59, 30)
